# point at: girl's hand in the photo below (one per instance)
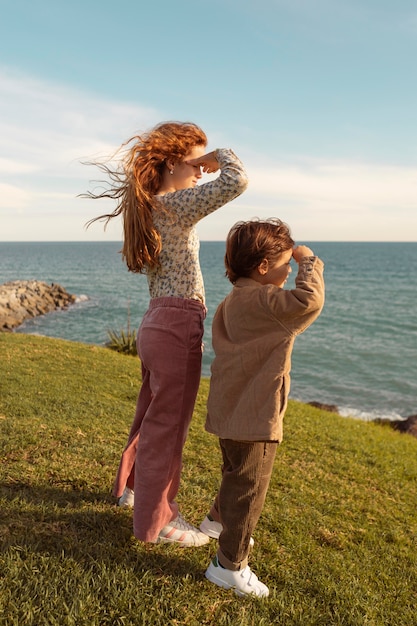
(208, 162)
(300, 251)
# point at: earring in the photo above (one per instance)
(171, 171)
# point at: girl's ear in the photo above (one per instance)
(170, 164)
(263, 267)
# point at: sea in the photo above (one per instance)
(360, 354)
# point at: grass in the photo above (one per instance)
(336, 542)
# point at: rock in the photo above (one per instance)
(325, 407)
(21, 300)
(407, 425)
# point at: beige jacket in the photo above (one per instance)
(254, 329)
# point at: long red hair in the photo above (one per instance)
(137, 180)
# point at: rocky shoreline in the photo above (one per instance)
(407, 425)
(21, 300)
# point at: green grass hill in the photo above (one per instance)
(336, 543)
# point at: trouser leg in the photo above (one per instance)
(170, 349)
(126, 470)
(247, 469)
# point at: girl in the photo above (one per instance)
(160, 204)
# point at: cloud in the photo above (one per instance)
(12, 166)
(347, 184)
(48, 129)
(12, 197)
(340, 201)
(45, 126)
(30, 107)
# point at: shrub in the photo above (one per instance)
(122, 341)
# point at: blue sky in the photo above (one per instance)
(317, 97)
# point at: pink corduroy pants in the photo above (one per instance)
(169, 346)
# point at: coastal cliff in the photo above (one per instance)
(21, 300)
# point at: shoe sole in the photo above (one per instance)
(181, 544)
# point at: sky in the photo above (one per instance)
(317, 97)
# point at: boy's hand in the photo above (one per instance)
(301, 251)
(208, 162)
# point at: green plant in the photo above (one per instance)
(123, 341)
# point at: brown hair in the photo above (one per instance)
(137, 180)
(248, 243)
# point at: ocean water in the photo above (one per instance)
(359, 355)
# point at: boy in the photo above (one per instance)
(254, 329)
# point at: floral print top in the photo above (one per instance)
(179, 274)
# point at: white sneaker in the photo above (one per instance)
(244, 582)
(210, 527)
(182, 533)
(127, 498)
(213, 529)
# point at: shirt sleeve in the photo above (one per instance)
(298, 308)
(191, 205)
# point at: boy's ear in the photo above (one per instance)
(263, 267)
